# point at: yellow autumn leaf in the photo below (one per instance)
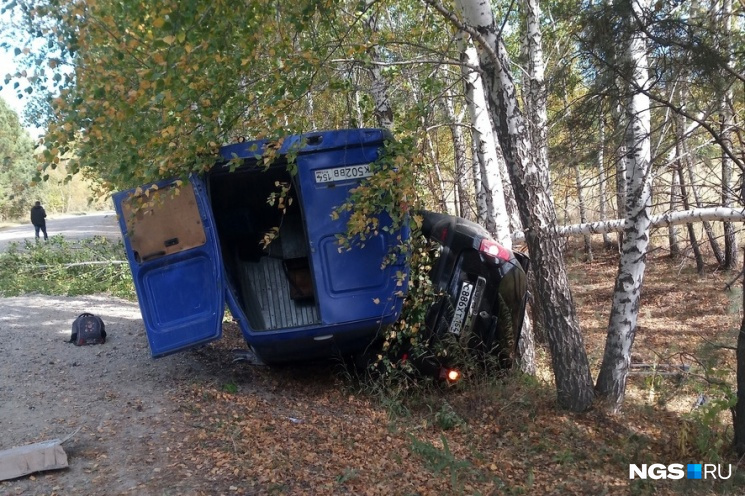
(169, 39)
(158, 23)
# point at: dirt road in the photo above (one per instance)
(119, 397)
(70, 226)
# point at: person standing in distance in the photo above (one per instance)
(38, 219)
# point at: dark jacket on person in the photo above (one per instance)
(38, 215)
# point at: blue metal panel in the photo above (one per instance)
(350, 285)
(181, 294)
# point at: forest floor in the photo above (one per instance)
(198, 423)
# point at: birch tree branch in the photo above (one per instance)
(668, 219)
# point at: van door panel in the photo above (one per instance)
(176, 264)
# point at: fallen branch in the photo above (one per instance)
(668, 219)
(80, 264)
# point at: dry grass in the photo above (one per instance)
(308, 430)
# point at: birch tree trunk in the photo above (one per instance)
(380, 88)
(601, 176)
(497, 219)
(536, 112)
(621, 168)
(672, 230)
(578, 182)
(437, 184)
(509, 193)
(611, 383)
(532, 187)
(688, 164)
(482, 209)
(459, 155)
(664, 220)
(691, 231)
(680, 165)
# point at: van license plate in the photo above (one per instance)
(343, 173)
(461, 306)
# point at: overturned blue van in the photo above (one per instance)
(199, 244)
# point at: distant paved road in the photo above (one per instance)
(71, 226)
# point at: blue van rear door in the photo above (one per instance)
(351, 285)
(174, 255)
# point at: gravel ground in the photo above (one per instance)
(114, 393)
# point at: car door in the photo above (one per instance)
(351, 285)
(174, 254)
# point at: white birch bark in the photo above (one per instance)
(663, 220)
(536, 110)
(482, 208)
(601, 177)
(672, 229)
(621, 166)
(459, 156)
(578, 182)
(492, 194)
(532, 186)
(611, 383)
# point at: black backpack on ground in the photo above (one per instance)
(88, 329)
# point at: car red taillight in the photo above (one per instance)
(494, 249)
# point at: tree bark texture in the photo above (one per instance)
(601, 178)
(738, 414)
(687, 205)
(611, 383)
(532, 187)
(497, 219)
(380, 89)
(730, 239)
(621, 166)
(672, 229)
(685, 157)
(459, 155)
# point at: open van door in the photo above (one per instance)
(177, 270)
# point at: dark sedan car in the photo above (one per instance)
(484, 291)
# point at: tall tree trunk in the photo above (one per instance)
(530, 180)
(672, 230)
(738, 412)
(730, 240)
(497, 220)
(380, 89)
(435, 182)
(601, 176)
(578, 181)
(688, 163)
(583, 211)
(482, 209)
(536, 97)
(509, 193)
(459, 154)
(621, 168)
(686, 205)
(611, 383)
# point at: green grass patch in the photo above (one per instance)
(63, 267)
